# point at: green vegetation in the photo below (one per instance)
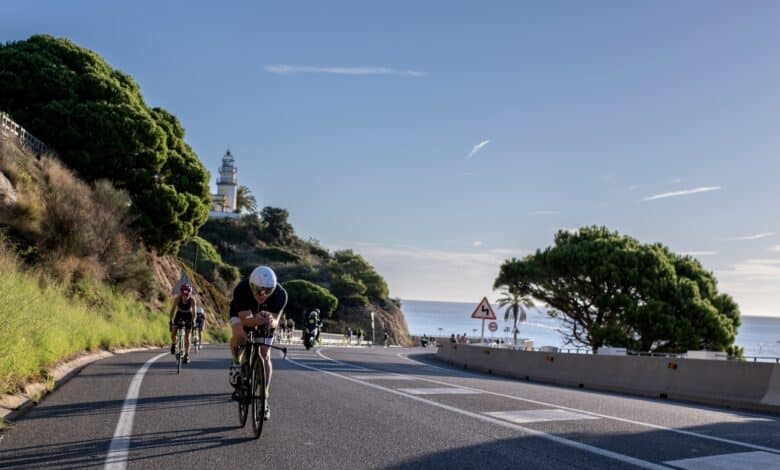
(515, 299)
(97, 120)
(75, 231)
(610, 289)
(352, 270)
(203, 257)
(304, 295)
(44, 323)
(342, 285)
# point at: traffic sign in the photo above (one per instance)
(493, 326)
(484, 311)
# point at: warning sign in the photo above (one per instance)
(484, 311)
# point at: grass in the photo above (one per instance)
(43, 323)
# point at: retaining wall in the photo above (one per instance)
(736, 384)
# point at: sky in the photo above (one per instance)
(440, 138)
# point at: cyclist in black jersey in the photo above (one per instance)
(258, 302)
(184, 306)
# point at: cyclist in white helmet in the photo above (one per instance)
(257, 302)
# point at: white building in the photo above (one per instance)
(223, 204)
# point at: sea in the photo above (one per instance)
(759, 336)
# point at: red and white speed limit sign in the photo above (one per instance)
(493, 326)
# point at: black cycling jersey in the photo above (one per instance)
(244, 300)
(185, 307)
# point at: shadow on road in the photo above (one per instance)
(92, 408)
(80, 454)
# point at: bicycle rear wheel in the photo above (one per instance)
(180, 352)
(258, 396)
(243, 398)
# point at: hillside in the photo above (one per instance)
(341, 284)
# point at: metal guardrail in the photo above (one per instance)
(26, 139)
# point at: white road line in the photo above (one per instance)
(120, 444)
(527, 431)
(601, 415)
(538, 416)
(760, 460)
(437, 391)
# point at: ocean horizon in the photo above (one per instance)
(758, 335)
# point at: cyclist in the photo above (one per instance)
(184, 306)
(200, 322)
(314, 319)
(258, 302)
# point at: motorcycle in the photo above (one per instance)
(310, 335)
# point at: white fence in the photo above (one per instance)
(27, 140)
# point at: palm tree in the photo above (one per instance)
(245, 200)
(516, 302)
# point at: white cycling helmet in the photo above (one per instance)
(262, 280)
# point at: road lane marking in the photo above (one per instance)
(120, 443)
(437, 391)
(762, 460)
(537, 416)
(382, 377)
(601, 415)
(489, 419)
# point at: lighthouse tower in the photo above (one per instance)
(227, 183)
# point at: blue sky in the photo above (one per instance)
(439, 138)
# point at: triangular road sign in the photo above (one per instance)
(484, 311)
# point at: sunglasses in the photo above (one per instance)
(264, 291)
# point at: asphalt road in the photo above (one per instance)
(371, 408)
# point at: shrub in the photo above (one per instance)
(350, 291)
(43, 325)
(304, 295)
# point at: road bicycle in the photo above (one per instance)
(196, 339)
(181, 331)
(251, 383)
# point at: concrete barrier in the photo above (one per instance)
(747, 385)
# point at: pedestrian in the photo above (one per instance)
(387, 339)
(359, 336)
(349, 334)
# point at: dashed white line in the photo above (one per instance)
(600, 415)
(527, 431)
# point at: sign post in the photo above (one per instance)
(373, 337)
(484, 311)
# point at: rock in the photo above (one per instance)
(7, 191)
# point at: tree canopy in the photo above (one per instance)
(278, 230)
(350, 267)
(95, 117)
(610, 289)
(306, 295)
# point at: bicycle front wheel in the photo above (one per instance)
(243, 392)
(258, 396)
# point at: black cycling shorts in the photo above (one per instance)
(183, 317)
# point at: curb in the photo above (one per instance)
(15, 406)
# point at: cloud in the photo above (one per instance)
(752, 237)
(685, 192)
(675, 181)
(775, 248)
(476, 244)
(299, 69)
(544, 212)
(700, 253)
(477, 148)
(633, 187)
(753, 270)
